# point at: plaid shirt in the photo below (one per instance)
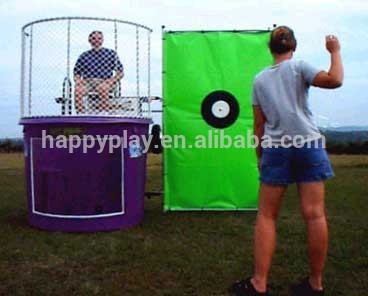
(98, 64)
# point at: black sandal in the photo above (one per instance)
(245, 288)
(304, 288)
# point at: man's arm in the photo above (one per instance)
(258, 127)
(78, 69)
(334, 77)
(111, 81)
(119, 75)
(77, 78)
(119, 68)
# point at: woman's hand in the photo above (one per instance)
(332, 44)
(335, 76)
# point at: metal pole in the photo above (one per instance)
(63, 102)
(163, 75)
(68, 52)
(137, 71)
(69, 83)
(149, 72)
(22, 73)
(137, 58)
(163, 167)
(116, 36)
(117, 92)
(30, 73)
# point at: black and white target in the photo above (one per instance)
(220, 109)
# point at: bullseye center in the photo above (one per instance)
(220, 109)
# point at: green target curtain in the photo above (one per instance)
(196, 64)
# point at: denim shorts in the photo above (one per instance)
(283, 166)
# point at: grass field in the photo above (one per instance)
(186, 253)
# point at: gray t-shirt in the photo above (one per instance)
(281, 91)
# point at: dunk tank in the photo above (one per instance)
(85, 108)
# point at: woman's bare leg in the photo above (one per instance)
(312, 202)
(270, 198)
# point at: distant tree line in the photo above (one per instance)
(347, 147)
(11, 145)
(340, 141)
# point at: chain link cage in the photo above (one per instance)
(80, 66)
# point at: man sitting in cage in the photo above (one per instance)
(94, 73)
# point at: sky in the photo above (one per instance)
(310, 19)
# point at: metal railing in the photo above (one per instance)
(66, 72)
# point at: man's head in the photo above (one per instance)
(282, 40)
(95, 38)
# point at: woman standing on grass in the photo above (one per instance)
(281, 113)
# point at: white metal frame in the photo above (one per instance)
(145, 114)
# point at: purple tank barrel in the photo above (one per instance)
(97, 187)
